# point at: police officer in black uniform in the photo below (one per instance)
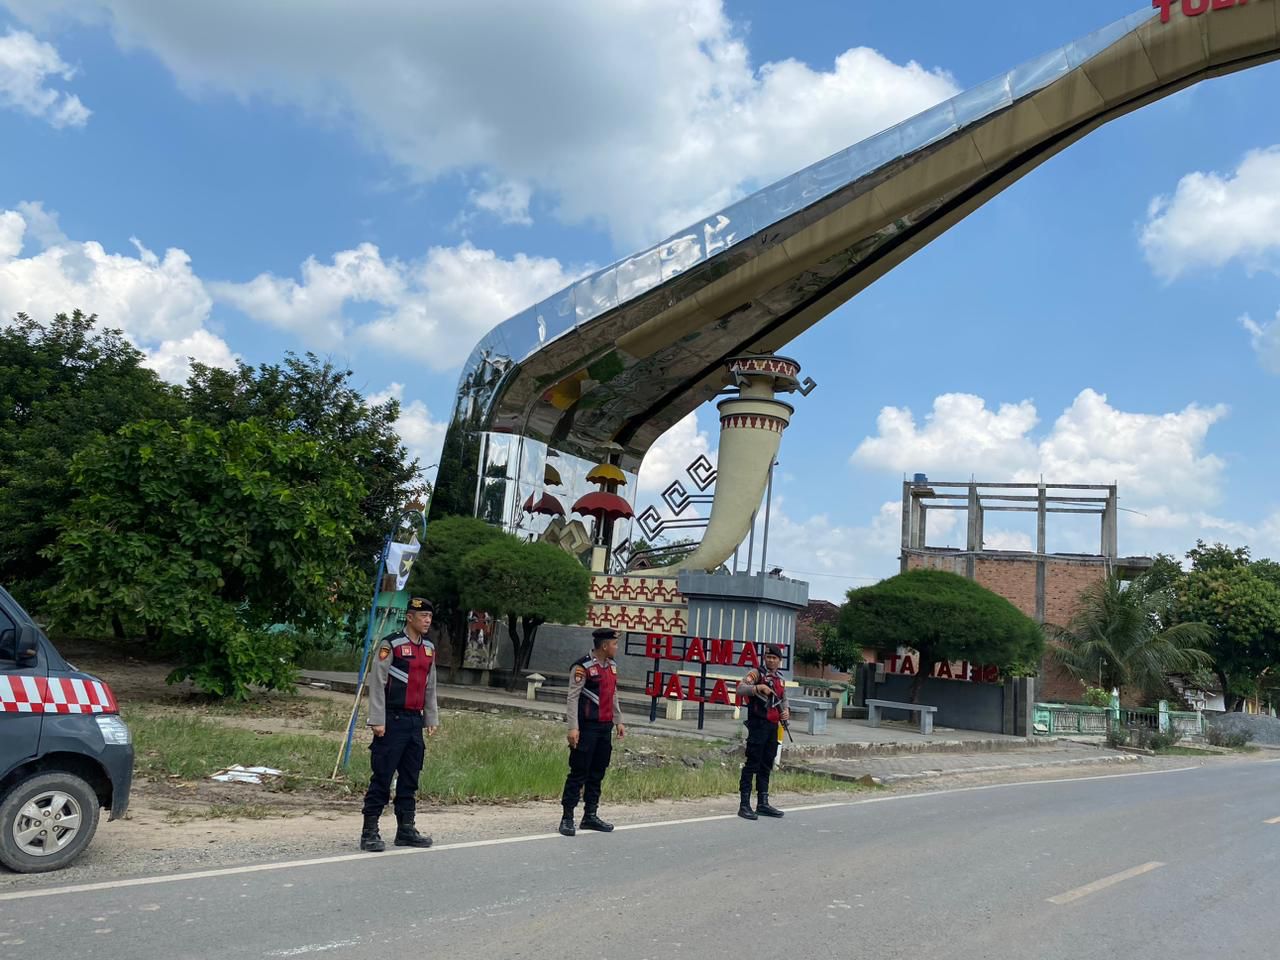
(766, 708)
(402, 700)
(592, 709)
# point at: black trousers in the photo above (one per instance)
(399, 751)
(762, 748)
(587, 765)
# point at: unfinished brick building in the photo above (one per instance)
(1043, 585)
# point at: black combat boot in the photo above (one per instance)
(370, 840)
(566, 824)
(591, 822)
(764, 808)
(744, 791)
(407, 834)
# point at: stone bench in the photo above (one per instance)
(815, 708)
(926, 712)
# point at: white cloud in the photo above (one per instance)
(643, 115)
(12, 229)
(150, 297)
(1212, 219)
(313, 308)
(422, 435)
(159, 303)
(433, 309)
(1265, 339)
(833, 558)
(959, 437)
(171, 359)
(668, 459)
(508, 201)
(26, 66)
(1155, 458)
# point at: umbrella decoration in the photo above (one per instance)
(551, 476)
(603, 506)
(546, 505)
(608, 475)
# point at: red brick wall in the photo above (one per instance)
(1063, 584)
(1014, 578)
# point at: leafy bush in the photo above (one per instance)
(1097, 697)
(1117, 736)
(808, 655)
(1156, 740)
(1235, 739)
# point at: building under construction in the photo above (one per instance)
(1043, 585)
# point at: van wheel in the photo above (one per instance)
(46, 822)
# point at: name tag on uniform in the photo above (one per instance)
(405, 650)
(594, 671)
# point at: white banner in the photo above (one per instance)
(400, 557)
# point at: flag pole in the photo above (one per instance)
(345, 755)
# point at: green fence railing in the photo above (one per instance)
(1051, 719)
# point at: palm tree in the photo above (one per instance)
(1118, 640)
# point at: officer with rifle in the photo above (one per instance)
(766, 709)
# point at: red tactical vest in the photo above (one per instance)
(599, 686)
(407, 678)
(757, 708)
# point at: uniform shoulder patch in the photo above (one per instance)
(579, 672)
(384, 652)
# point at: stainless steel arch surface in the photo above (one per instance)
(607, 365)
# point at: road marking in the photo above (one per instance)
(1272, 820)
(503, 841)
(312, 948)
(1079, 893)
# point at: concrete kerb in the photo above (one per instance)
(892, 778)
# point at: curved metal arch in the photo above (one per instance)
(607, 365)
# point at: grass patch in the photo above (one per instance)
(475, 758)
(1186, 752)
(226, 811)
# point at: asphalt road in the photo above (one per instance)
(1181, 863)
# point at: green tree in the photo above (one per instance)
(834, 650)
(529, 584)
(438, 573)
(315, 399)
(206, 536)
(1117, 638)
(63, 385)
(1239, 600)
(943, 617)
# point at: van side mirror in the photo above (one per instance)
(28, 646)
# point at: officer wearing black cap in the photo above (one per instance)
(766, 708)
(592, 710)
(402, 700)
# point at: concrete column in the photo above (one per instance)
(974, 540)
(906, 522)
(922, 535)
(1041, 514)
(1110, 531)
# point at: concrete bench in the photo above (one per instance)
(815, 708)
(926, 712)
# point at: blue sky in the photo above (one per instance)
(242, 179)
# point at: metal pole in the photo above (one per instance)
(768, 502)
(751, 540)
